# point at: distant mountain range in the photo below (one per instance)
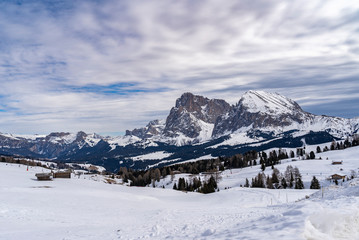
(196, 128)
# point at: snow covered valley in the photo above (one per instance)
(88, 208)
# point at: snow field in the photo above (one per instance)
(87, 208)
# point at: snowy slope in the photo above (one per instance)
(150, 156)
(87, 208)
(268, 103)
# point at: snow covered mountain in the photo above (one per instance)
(50, 146)
(196, 128)
(196, 119)
(191, 121)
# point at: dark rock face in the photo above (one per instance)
(153, 128)
(202, 108)
(189, 108)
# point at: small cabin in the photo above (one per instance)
(337, 162)
(62, 174)
(44, 176)
(337, 177)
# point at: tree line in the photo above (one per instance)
(291, 178)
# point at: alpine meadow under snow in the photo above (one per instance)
(86, 207)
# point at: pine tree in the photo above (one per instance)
(299, 183)
(291, 180)
(332, 146)
(247, 183)
(296, 173)
(263, 167)
(312, 155)
(275, 178)
(269, 183)
(181, 184)
(284, 183)
(319, 150)
(315, 183)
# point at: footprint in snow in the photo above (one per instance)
(208, 232)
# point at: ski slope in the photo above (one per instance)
(88, 208)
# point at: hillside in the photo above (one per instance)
(87, 208)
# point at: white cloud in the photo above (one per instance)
(219, 49)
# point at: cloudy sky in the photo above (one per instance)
(107, 66)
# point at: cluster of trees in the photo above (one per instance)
(354, 141)
(150, 176)
(274, 158)
(141, 178)
(196, 185)
(240, 160)
(290, 179)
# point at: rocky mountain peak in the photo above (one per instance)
(201, 107)
(154, 127)
(54, 135)
(189, 110)
(80, 136)
(190, 101)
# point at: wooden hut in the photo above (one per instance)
(44, 176)
(337, 177)
(62, 174)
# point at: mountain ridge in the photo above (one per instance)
(196, 127)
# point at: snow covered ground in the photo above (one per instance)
(81, 208)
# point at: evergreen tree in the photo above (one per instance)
(181, 184)
(319, 150)
(275, 178)
(263, 167)
(299, 183)
(315, 183)
(296, 173)
(212, 182)
(291, 180)
(209, 186)
(287, 173)
(284, 183)
(312, 155)
(247, 183)
(332, 146)
(269, 183)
